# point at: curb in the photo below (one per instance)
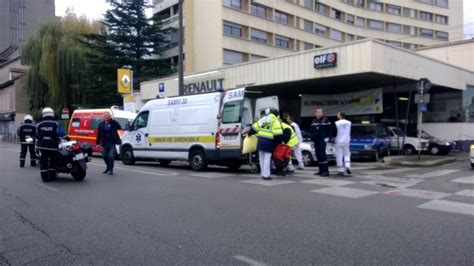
(415, 163)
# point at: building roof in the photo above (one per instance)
(446, 44)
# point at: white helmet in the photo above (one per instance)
(28, 117)
(47, 112)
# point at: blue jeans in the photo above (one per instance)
(108, 154)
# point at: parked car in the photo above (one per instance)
(309, 153)
(411, 145)
(438, 146)
(471, 156)
(369, 140)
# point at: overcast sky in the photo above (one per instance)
(95, 9)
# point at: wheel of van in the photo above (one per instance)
(254, 168)
(308, 159)
(127, 156)
(164, 162)
(409, 150)
(198, 160)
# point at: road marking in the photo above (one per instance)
(389, 171)
(464, 180)
(433, 173)
(249, 261)
(5, 149)
(211, 175)
(417, 193)
(48, 187)
(327, 182)
(268, 183)
(466, 192)
(144, 171)
(346, 192)
(449, 206)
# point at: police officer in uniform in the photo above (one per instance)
(48, 134)
(321, 132)
(25, 131)
(269, 134)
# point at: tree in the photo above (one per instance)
(56, 61)
(130, 38)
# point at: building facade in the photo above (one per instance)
(225, 32)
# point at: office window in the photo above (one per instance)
(255, 57)
(426, 16)
(393, 9)
(336, 35)
(232, 29)
(375, 5)
(320, 29)
(442, 3)
(308, 46)
(406, 45)
(441, 19)
(232, 3)
(392, 27)
(441, 35)
(360, 22)
(398, 44)
(360, 3)
(308, 4)
(427, 33)
(258, 10)
(350, 19)
(376, 24)
(281, 17)
(406, 12)
(322, 9)
(350, 38)
(308, 25)
(336, 14)
(282, 42)
(259, 36)
(406, 30)
(427, 1)
(233, 57)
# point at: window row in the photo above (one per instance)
(256, 35)
(232, 57)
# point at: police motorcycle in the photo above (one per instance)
(72, 158)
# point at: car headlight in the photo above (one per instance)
(368, 147)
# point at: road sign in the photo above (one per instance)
(423, 85)
(426, 98)
(65, 113)
(423, 107)
(161, 90)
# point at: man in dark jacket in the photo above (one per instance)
(27, 131)
(321, 132)
(108, 138)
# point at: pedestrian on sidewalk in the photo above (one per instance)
(269, 133)
(27, 134)
(296, 148)
(342, 143)
(321, 131)
(108, 138)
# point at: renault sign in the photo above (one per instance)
(325, 60)
(124, 78)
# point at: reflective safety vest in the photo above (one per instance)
(268, 127)
(293, 138)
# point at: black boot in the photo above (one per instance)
(33, 163)
(325, 170)
(22, 164)
(320, 170)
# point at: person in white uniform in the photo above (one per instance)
(296, 148)
(342, 141)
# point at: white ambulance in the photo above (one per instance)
(202, 129)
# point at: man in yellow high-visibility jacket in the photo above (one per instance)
(269, 134)
(290, 139)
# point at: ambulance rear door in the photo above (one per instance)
(261, 104)
(231, 122)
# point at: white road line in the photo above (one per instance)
(466, 192)
(464, 180)
(389, 171)
(211, 175)
(449, 206)
(249, 261)
(48, 187)
(434, 173)
(268, 183)
(327, 182)
(417, 193)
(143, 171)
(346, 192)
(5, 149)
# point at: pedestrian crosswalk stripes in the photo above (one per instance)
(449, 206)
(466, 193)
(417, 193)
(464, 180)
(346, 192)
(389, 171)
(328, 182)
(435, 173)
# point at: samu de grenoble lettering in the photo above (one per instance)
(203, 86)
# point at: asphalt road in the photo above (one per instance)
(146, 214)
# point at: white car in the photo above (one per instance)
(309, 153)
(411, 146)
(471, 156)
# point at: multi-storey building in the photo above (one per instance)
(223, 32)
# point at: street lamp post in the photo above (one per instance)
(180, 47)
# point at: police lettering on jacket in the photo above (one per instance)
(47, 134)
(26, 130)
(321, 128)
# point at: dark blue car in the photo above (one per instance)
(369, 141)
